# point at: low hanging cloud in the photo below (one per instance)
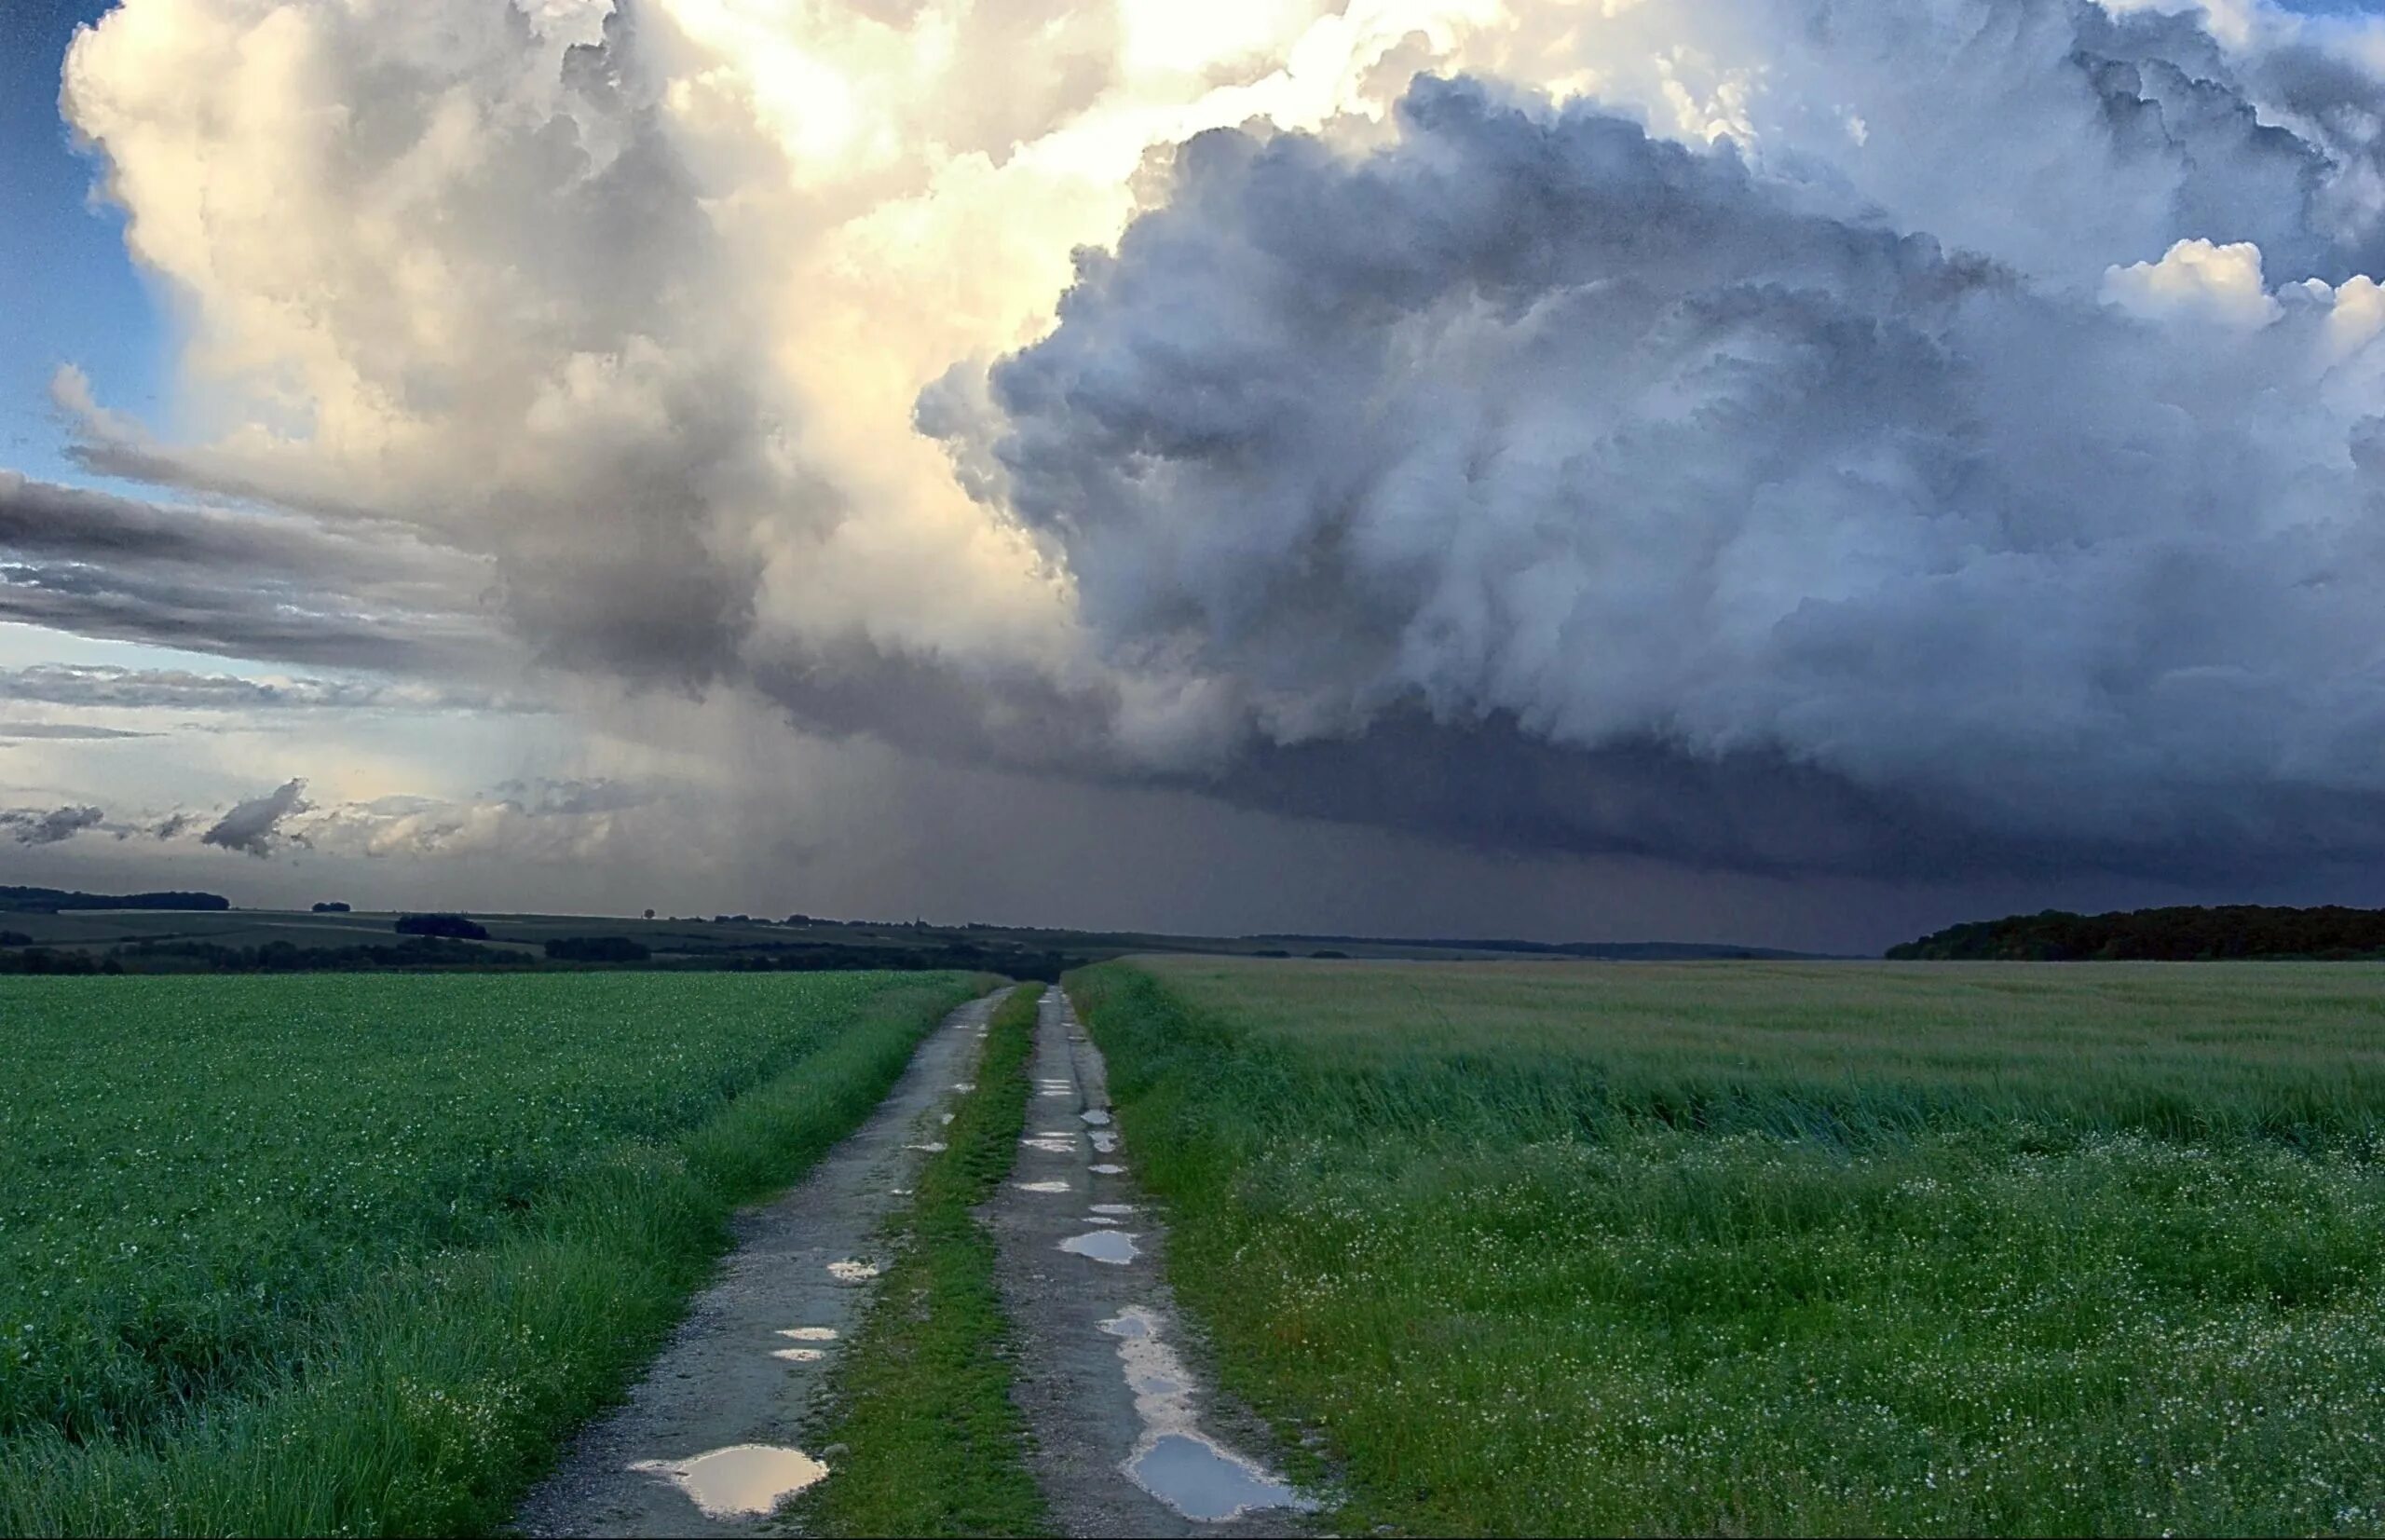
(255, 827)
(35, 827)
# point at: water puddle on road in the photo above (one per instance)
(743, 1480)
(1099, 1218)
(1105, 1142)
(1113, 1207)
(800, 1355)
(809, 1333)
(853, 1271)
(1097, 1117)
(1040, 1186)
(1108, 1169)
(933, 1147)
(1114, 1247)
(946, 1118)
(964, 1087)
(1052, 1147)
(1173, 1461)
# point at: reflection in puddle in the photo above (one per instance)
(964, 1087)
(1097, 1117)
(1115, 1246)
(800, 1355)
(741, 1480)
(1051, 1147)
(1204, 1482)
(809, 1333)
(1099, 1218)
(1105, 1142)
(1173, 1461)
(1113, 1207)
(933, 1147)
(852, 1271)
(1040, 1186)
(1106, 1170)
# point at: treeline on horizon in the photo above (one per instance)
(54, 900)
(2182, 934)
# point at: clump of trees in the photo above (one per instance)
(597, 949)
(334, 907)
(45, 959)
(280, 957)
(454, 926)
(2182, 934)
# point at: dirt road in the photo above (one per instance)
(1127, 1441)
(705, 1444)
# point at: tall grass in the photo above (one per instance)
(350, 1256)
(1774, 1248)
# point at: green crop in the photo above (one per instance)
(349, 1252)
(1770, 1248)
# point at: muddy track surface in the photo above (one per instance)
(706, 1443)
(1127, 1439)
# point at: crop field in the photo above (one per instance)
(341, 1254)
(1782, 1247)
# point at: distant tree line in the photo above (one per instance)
(284, 957)
(2184, 934)
(52, 900)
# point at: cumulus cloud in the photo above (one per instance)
(255, 827)
(35, 826)
(1533, 417)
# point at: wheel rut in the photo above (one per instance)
(706, 1443)
(1128, 1441)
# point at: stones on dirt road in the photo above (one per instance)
(741, 1481)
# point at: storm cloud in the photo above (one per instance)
(1867, 437)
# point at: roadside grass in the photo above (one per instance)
(1779, 1249)
(352, 1254)
(933, 1443)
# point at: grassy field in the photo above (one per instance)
(1765, 1248)
(923, 1402)
(341, 1254)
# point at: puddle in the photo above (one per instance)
(1099, 1218)
(809, 1333)
(1174, 1460)
(852, 1271)
(741, 1481)
(800, 1355)
(1108, 1170)
(1052, 1147)
(1115, 1246)
(933, 1147)
(1056, 1093)
(946, 1118)
(1069, 1134)
(1098, 1118)
(1113, 1207)
(1040, 1186)
(964, 1087)
(1105, 1142)
(1204, 1482)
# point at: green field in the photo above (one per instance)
(1765, 1248)
(341, 1254)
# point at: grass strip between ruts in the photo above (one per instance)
(427, 1404)
(932, 1442)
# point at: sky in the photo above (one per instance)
(1792, 472)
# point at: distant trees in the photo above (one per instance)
(597, 949)
(335, 907)
(2181, 934)
(451, 925)
(51, 899)
(649, 914)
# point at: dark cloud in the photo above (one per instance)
(1792, 539)
(252, 585)
(253, 827)
(33, 826)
